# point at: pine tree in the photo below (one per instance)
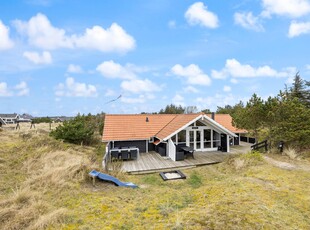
(252, 116)
(300, 90)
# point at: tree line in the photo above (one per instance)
(82, 129)
(285, 117)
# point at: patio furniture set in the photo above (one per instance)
(183, 151)
(124, 153)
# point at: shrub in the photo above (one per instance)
(245, 160)
(195, 180)
(39, 120)
(77, 131)
(290, 152)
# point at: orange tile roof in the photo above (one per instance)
(134, 127)
(120, 127)
(226, 121)
(178, 122)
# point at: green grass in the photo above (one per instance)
(195, 180)
(244, 192)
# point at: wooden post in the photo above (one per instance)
(228, 143)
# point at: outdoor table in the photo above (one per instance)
(125, 153)
(188, 151)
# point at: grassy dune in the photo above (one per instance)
(44, 185)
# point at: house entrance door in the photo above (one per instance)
(193, 139)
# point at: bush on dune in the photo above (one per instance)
(77, 131)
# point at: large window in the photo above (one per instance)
(207, 138)
(182, 137)
(173, 138)
(216, 139)
(199, 123)
(191, 139)
(198, 139)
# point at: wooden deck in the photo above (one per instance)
(153, 162)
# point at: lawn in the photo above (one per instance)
(44, 185)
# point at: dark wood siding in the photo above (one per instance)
(151, 147)
(236, 139)
(139, 144)
(161, 149)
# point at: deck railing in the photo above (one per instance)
(106, 157)
(263, 144)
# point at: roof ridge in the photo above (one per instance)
(177, 115)
(167, 124)
(141, 114)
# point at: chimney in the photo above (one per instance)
(146, 119)
(213, 115)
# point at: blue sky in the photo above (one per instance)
(62, 57)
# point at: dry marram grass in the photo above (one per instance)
(43, 186)
(290, 152)
(46, 167)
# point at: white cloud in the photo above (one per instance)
(41, 33)
(110, 93)
(218, 74)
(198, 14)
(37, 58)
(131, 100)
(139, 86)
(39, 2)
(193, 74)
(110, 69)
(191, 89)
(211, 102)
(74, 69)
(112, 39)
(234, 80)
(172, 24)
(75, 89)
(22, 89)
(178, 100)
(5, 41)
(248, 21)
(298, 28)
(226, 88)
(308, 67)
(235, 69)
(290, 8)
(142, 98)
(4, 91)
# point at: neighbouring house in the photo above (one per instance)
(226, 121)
(9, 118)
(164, 133)
(61, 119)
(2, 122)
(14, 118)
(25, 118)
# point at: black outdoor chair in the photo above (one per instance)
(114, 154)
(124, 154)
(189, 154)
(179, 156)
(133, 154)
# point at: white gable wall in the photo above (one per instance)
(171, 149)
